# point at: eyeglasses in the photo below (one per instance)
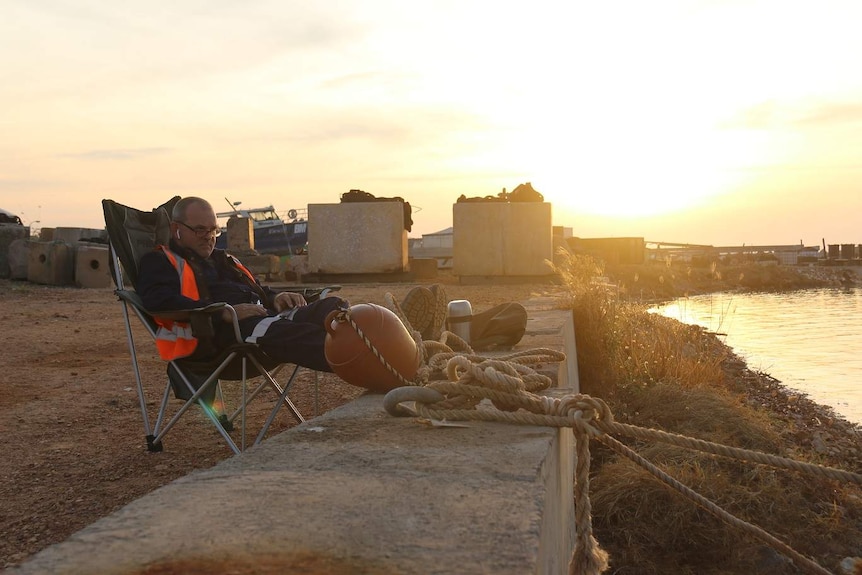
(203, 232)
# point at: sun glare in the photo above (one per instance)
(648, 172)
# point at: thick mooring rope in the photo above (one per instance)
(801, 560)
(510, 386)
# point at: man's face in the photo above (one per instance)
(197, 231)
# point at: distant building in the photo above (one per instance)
(437, 245)
(788, 254)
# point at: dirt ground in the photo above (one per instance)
(74, 447)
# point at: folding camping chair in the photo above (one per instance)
(131, 234)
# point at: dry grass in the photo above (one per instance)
(656, 372)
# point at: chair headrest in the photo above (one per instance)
(133, 232)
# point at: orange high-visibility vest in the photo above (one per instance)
(174, 339)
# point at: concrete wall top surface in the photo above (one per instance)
(355, 484)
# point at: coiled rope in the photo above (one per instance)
(511, 386)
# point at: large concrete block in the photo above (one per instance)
(240, 235)
(357, 238)
(502, 238)
(263, 265)
(51, 263)
(8, 234)
(73, 235)
(19, 259)
(423, 268)
(91, 266)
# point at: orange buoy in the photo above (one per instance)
(354, 362)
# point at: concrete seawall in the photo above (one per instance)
(358, 491)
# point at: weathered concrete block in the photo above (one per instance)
(8, 234)
(51, 263)
(356, 238)
(19, 259)
(263, 265)
(423, 268)
(73, 235)
(295, 267)
(91, 266)
(240, 234)
(46, 235)
(502, 238)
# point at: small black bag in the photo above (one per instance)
(500, 327)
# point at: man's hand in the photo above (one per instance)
(244, 310)
(288, 300)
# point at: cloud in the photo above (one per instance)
(118, 154)
(775, 114)
(417, 126)
(80, 50)
(10, 185)
(833, 113)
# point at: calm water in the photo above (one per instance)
(809, 340)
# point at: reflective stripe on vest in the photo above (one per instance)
(174, 339)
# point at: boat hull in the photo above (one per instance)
(283, 239)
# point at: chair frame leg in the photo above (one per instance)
(260, 387)
(283, 400)
(141, 398)
(154, 434)
(208, 411)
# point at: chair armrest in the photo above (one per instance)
(309, 293)
(327, 290)
(195, 315)
(130, 297)
(134, 299)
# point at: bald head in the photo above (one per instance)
(194, 225)
(181, 207)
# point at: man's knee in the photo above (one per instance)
(316, 312)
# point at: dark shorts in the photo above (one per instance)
(298, 340)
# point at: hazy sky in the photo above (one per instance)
(721, 122)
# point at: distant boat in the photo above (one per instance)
(273, 234)
(9, 218)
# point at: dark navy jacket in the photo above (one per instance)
(218, 279)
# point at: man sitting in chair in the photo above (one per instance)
(190, 273)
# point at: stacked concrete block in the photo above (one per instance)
(423, 268)
(264, 265)
(19, 259)
(73, 235)
(357, 238)
(91, 266)
(502, 239)
(51, 263)
(10, 233)
(240, 235)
